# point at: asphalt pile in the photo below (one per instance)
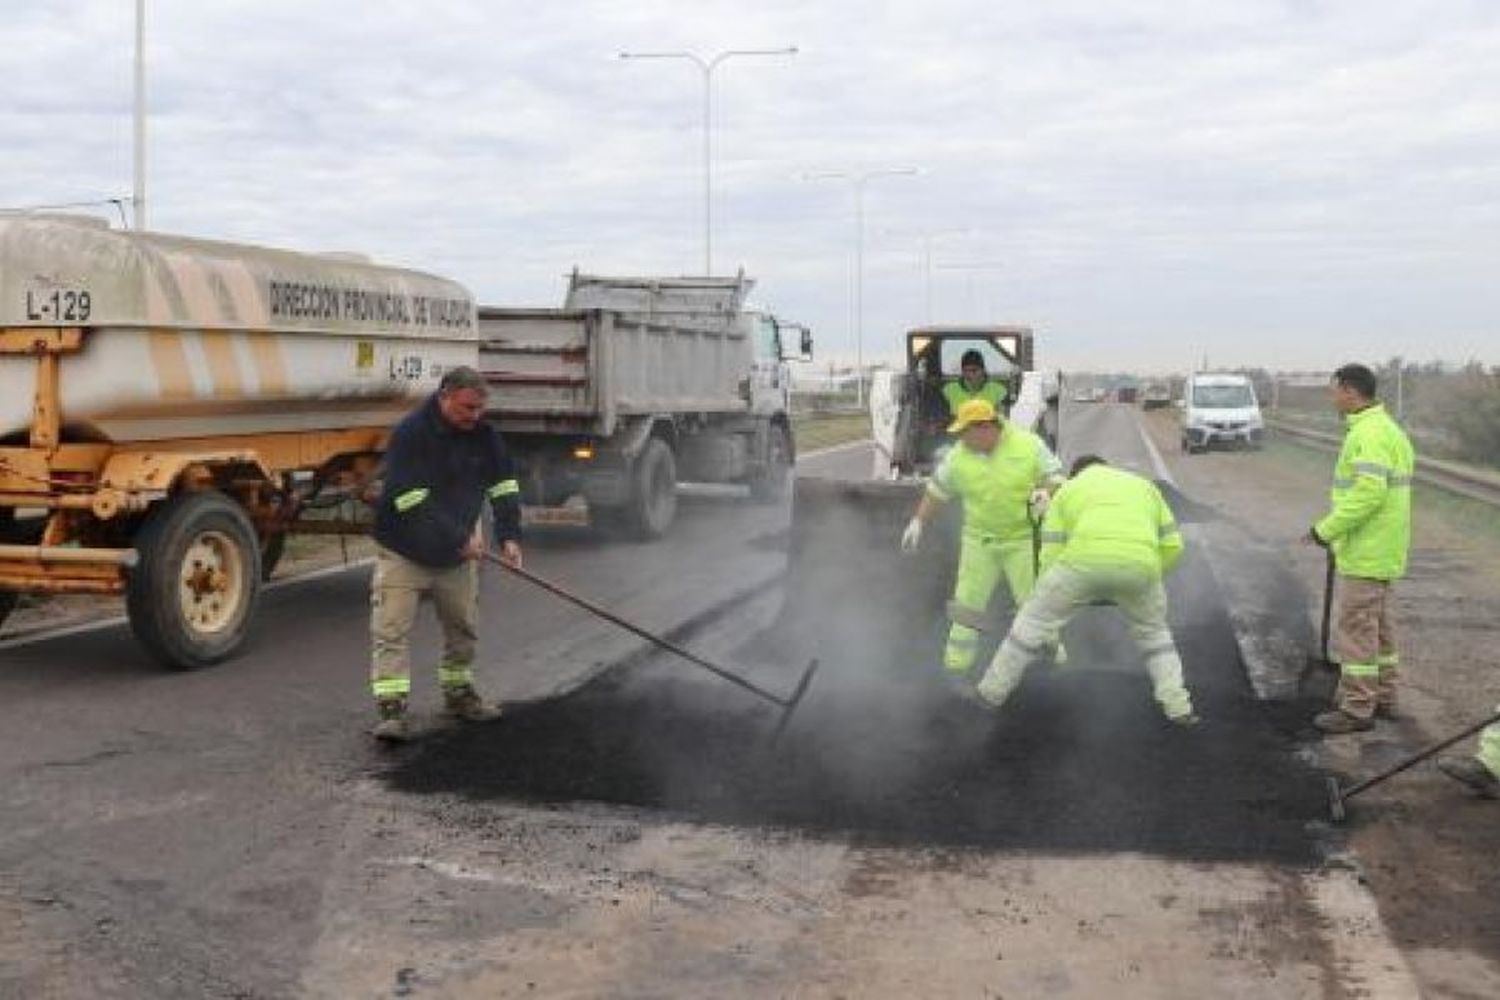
(883, 751)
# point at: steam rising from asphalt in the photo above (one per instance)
(883, 749)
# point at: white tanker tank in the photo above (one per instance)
(165, 402)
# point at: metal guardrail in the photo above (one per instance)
(1472, 484)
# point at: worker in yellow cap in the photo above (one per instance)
(1004, 475)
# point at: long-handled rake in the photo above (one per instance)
(1338, 795)
(787, 705)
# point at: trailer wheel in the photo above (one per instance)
(191, 597)
(16, 532)
(774, 481)
(653, 494)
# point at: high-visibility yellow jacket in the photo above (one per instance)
(995, 488)
(1108, 517)
(1369, 527)
(957, 394)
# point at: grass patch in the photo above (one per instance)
(813, 432)
(1474, 518)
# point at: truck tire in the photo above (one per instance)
(653, 491)
(774, 480)
(192, 595)
(14, 532)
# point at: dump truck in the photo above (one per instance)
(636, 384)
(170, 408)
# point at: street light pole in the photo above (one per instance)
(971, 269)
(707, 67)
(138, 199)
(858, 181)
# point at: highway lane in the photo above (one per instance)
(178, 825)
(231, 831)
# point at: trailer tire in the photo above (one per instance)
(192, 595)
(653, 491)
(773, 482)
(15, 532)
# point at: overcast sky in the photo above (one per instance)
(1147, 183)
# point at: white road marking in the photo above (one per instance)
(1162, 472)
(1365, 957)
(836, 449)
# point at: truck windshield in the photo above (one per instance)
(1222, 397)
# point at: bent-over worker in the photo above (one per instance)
(1108, 536)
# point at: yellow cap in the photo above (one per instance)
(973, 411)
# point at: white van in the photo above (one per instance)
(1220, 409)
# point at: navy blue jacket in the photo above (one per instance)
(436, 480)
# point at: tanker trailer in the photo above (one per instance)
(169, 407)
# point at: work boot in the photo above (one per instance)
(464, 704)
(392, 727)
(1473, 773)
(1186, 720)
(1337, 721)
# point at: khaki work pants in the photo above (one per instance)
(1062, 591)
(396, 592)
(1364, 644)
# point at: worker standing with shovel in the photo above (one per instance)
(1368, 531)
(1001, 472)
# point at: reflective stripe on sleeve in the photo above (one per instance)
(1362, 669)
(1343, 484)
(411, 498)
(1054, 537)
(1373, 469)
(504, 488)
(1166, 531)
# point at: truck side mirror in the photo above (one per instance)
(807, 345)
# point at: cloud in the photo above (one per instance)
(1293, 182)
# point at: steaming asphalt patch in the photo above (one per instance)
(882, 752)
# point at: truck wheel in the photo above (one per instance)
(774, 481)
(14, 532)
(653, 494)
(191, 597)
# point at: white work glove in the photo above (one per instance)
(912, 536)
(1040, 499)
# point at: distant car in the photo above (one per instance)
(1220, 409)
(1125, 394)
(1155, 397)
